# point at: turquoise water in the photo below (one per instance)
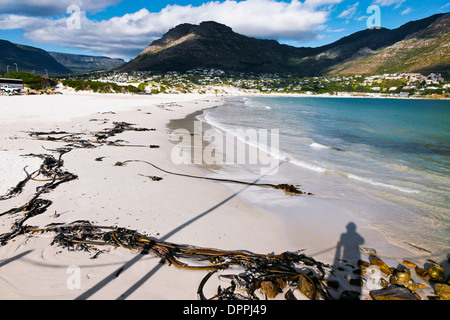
(399, 148)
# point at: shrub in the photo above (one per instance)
(31, 80)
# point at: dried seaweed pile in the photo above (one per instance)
(99, 138)
(258, 273)
(75, 140)
(269, 274)
(52, 172)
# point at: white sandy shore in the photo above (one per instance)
(197, 212)
(117, 196)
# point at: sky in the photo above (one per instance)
(123, 28)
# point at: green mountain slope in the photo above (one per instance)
(28, 59)
(427, 50)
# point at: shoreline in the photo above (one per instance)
(332, 214)
(287, 210)
(324, 95)
(180, 210)
(190, 211)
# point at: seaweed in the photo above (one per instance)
(256, 271)
(51, 169)
(100, 137)
(287, 188)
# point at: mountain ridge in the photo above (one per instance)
(79, 63)
(33, 59)
(427, 50)
(214, 45)
(417, 46)
(28, 59)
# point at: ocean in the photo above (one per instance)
(390, 156)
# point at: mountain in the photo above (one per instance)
(426, 50)
(214, 45)
(28, 59)
(83, 63)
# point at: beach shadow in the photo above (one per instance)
(346, 260)
(127, 265)
(20, 255)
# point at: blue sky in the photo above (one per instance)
(120, 28)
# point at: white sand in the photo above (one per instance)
(175, 209)
(111, 195)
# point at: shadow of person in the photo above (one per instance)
(346, 260)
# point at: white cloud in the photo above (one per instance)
(336, 30)
(127, 35)
(388, 3)
(51, 7)
(349, 12)
(406, 11)
(318, 3)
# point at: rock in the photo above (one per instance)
(350, 295)
(384, 283)
(289, 295)
(409, 264)
(363, 264)
(401, 276)
(280, 283)
(270, 289)
(436, 273)
(411, 285)
(306, 287)
(380, 264)
(331, 283)
(357, 282)
(393, 292)
(442, 290)
(422, 273)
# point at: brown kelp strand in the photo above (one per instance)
(100, 138)
(287, 188)
(259, 274)
(53, 173)
(49, 171)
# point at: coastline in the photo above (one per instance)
(190, 211)
(313, 224)
(325, 95)
(316, 224)
(179, 210)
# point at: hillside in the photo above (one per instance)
(214, 45)
(427, 50)
(28, 59)
(84, 63)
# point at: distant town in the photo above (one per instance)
(220, 82)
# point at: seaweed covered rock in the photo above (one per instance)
(442, 290)
(393, 292)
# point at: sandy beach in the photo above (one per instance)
(176, 209)
(173, 209)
